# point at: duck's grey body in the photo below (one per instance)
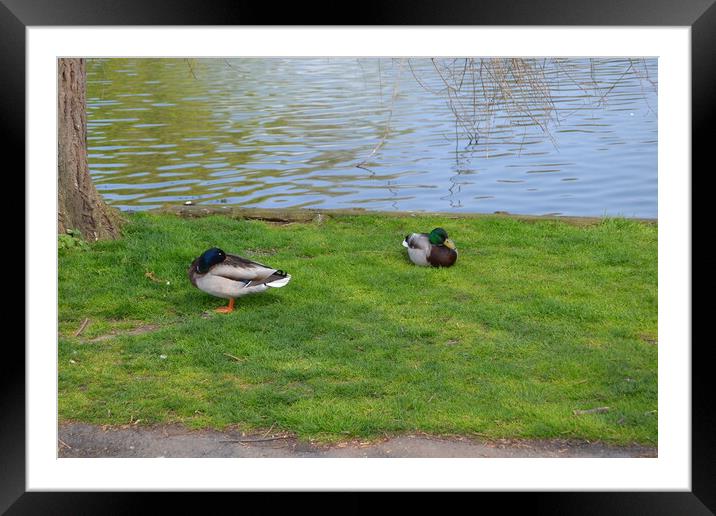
(235, 277)
(422, 252)
(418, 245)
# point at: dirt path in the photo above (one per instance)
(82, 440)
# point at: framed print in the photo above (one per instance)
(641, 59)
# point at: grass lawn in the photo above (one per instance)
(537, 319)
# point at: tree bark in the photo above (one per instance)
(79, 206)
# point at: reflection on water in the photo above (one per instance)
(291, 132)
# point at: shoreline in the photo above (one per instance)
(313, 214)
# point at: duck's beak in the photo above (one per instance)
(449, 243)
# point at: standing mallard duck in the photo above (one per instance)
(230, 276)
(434, 248)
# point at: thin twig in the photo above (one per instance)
(235, 358)
(419, 81)
(598, 410)
(227, 63)
(256, 440)
(82, 327)
(601, 99)
(151, 276)
(191, 67)
(386, 132)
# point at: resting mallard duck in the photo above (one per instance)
(230, 276)
(434, 248)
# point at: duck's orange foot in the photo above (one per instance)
(226, 309)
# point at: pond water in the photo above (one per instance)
(543, 136)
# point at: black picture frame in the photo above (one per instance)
(700, 15)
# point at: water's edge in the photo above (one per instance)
(314, 214)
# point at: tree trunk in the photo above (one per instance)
(79, 206)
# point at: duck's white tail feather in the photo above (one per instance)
(280, 282)
(405, 243)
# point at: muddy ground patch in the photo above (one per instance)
(83, 440)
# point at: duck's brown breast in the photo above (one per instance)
(441, 256)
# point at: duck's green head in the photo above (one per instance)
(209, 258)
(439, 236)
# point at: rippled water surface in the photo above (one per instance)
(276, 133)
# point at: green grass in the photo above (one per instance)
(536, 319)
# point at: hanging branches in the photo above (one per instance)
(486, 94)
